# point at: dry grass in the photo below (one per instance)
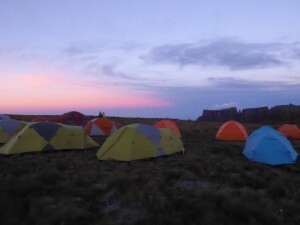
(212, 183)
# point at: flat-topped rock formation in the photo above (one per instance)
(220, 115)
(254, 115)
(282, 113)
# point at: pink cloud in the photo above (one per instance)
(60, 91)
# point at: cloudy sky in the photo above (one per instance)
(158, 58)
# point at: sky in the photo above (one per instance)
(158, 58)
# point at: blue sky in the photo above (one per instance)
(148, 58)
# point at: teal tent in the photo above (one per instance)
(268, 146)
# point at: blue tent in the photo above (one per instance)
(268, 146)
(4, 117)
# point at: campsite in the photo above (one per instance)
(211, 182)
(149, 112)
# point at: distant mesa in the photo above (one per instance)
(281, 113)
(220, 115)
(253, 115)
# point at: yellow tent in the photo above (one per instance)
(139, 141)
(8, 127)
(44, 136)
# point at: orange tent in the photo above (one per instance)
(100, 126)
(290, 131)
(168, 124)
(232, 131)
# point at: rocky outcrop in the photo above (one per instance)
(289, 113)
(282, 113)
(254, 115)
(220, 115)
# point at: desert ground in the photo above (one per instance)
(211, 183)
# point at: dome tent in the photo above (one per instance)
(268, 146)
(139, 141)
(72, 118)
(100, 127)
(168, 124)
(232, 131)
(68, 118)
(8, 127)
(45, 136)
(290, 131)
(4, 117)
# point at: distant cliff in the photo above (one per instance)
(285, 113)
(220, 115)
(254, 115)
(282, 113)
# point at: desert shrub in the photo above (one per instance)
(290, 169)
(69, 214)
(202, 208)
(61, 165)
(21, 187)
(288, 208)
(178, 211)
(155, 201)
(237, 210)
(264, 214)
(17, 169)
(277, 188)
(187, 175)
(250, 179)
(172, 174)
(13, 210)
(50, 176)
(248, 194)
(85, 179)
(241, 211)
(211, 183)
(211, 199)
(160, 219)
(119, 181)
(249, 166)
(63, 212)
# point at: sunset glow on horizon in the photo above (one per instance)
(162, 59)
(45, 92)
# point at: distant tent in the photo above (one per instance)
(232, 131)
(72, 118)
(290, 131)
(139, 141)
(41, 118)
(100, 127)
(8, 127)
(4, 117)
(44, 136)
(168, 124)
(268, 146)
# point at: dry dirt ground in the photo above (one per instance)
(211, 183)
